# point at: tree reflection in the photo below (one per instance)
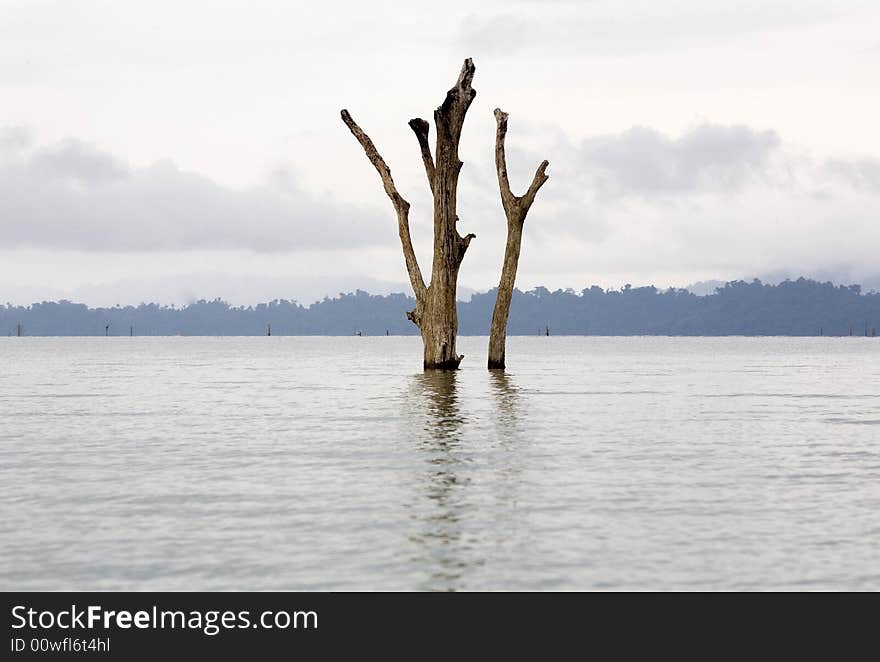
(457, 446)
(506, 395)
(440, 513)
(437, 391)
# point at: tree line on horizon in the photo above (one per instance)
(795, 308)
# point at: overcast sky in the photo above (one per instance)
(164, 151)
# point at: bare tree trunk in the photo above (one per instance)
(435, 312)
(515, 208)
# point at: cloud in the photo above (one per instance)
(638, 206)
(605, 28)
(716, 201)
(861, 174)
(500, 33)
(77, 161)
(13, 138)
(645, 162)
(74, 196)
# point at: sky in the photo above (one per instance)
(167, 151)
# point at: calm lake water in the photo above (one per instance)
(336, 463)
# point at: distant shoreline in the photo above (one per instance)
(460, 335)
(792, 308)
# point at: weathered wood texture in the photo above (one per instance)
(515, 209)
(435, 312)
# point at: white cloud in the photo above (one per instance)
(626, 28)
(13, 138)
(74, 196)
(862, 174)
(707, 158)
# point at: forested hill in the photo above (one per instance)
(800, 308)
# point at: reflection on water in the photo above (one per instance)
(507, 399)
(437, 391)
(439, 533)
(447, 546)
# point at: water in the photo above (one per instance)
(335, 463)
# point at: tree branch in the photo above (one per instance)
(508, 199)
(377, 161)
(401, 206)
(463, 243)
(538, 181)
(421, 128)
(515, 207)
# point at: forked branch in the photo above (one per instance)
(515, 207)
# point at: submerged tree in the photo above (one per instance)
(435, 312)
(515, 208)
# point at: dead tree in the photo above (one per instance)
(515, 208)
(435, 312)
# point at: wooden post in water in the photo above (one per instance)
(18, 329)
